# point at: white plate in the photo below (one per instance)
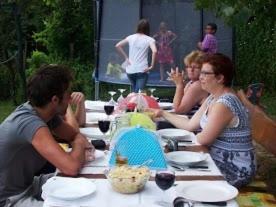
(98, 154)
(95, 105)
(65, 188)
(207, 191)
(185, 157)
(165, 105)
(94, 117)
(173, 133)
(93, 132)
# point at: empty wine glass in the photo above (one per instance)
(111, 101)
(151, 92)
(164, 180)
(121, 97)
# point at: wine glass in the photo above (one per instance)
(109, 107)
(164, 180)
(151, 92)
(121, 97)
(104, 126)
(111, 101)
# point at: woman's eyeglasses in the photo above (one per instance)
(193, 67)
(205, 73)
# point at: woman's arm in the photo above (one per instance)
(119, 47)
(154, 51)
(181, 122)
(177, 78)
(191, 97)
(174, 36)
(219, 117)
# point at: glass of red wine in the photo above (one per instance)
(164, 180)
(109, 107)
(104, 126)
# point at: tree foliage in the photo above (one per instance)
(237, 11)
(53, 31)
(68, 29)
(255, 26)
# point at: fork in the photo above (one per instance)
(187, 168)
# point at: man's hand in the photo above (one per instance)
(77, 98)
(90, 153)
(86, 145)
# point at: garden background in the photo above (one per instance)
(35, 32)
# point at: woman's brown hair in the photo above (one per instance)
(221, 65)
(143, 27)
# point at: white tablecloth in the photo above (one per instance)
(106, 197)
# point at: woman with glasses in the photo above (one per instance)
(224, 122)
(188, 97)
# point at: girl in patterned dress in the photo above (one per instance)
(224, 122)
(164, 39)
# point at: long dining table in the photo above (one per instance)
(106, 196)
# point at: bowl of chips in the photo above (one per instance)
(126, 179)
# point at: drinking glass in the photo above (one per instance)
(111, 101)
(104, 126)
(109, 107)
(151, 92)
(121, 97)
(164, 180)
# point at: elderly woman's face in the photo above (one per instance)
(193, 71)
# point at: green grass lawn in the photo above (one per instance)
(6, 107)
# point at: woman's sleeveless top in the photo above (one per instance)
(233, 151)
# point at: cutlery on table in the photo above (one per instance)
(180, 202)
(198, 168)
(184, 138)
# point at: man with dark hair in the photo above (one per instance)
(209, 43)
(27, 141)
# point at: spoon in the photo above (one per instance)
(191, 168)
(147, 162)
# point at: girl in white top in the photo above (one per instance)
(137, 61)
